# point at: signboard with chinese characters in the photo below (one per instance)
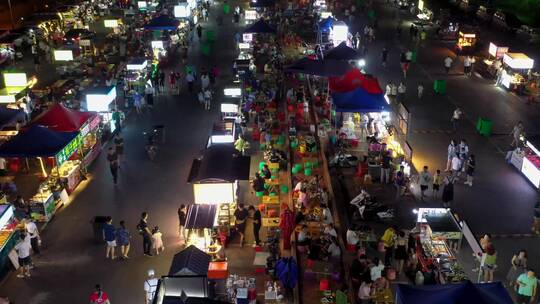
(68, 150)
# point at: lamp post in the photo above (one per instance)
(11, 14)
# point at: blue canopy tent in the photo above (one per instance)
(262, 3)
(325, 67)
(162, 23)
(37, 141)
(342, 52)
(359, 101)
(467, 292)
(10, 116)
(326, 24)
(260, 27)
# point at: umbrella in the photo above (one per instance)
(342, 52)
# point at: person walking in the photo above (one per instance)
(199, 32)
(402, 89)
(123, 238)
(172, 82)
(99, 296)
(490, 263)
(467, 64)
(23, 252)
(137, 102)
(516, 133)
(527, 284)
(150, 286)
(448, 64)
(518, 266)
(437, 182)
(33, 233)
(384, 56)
(400, 182)
(448, 189)
(190, 79)
(112, 157)
(425, 181)
(400, 254)
(182, 222)
(149, 92)
(386, 164)
(207, 99)
(452, 151)
(456, 118)
(109, 236)
(119, 148)
(257, 223)
(240, 216)
(146, 234)
(420, 90)
(157, 240)
(389, 238)
(471, 164)
(205, 81)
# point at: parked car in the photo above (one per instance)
(528, 34)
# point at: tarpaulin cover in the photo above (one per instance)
(342, 52)
(36, 141)
(62, 119)
(326, 24)
(190, 261)
(259, 27)
(10, 116)
(359, 101)
(319, 67)
(354, 79)
(467, 292)
(220, 163)
(162, 23)
(287, 272)
(200, 216)
(262, 3)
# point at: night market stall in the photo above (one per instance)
(516, 67)
(8, 233)
(526, 158)
(102, 99)
(58, 147)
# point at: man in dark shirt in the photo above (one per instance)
(385, 167)
(182, 221)
(258, 183)
(257, 222)
(146, 234)
(240, 215)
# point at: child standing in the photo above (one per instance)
(437, 181)
(157, 242)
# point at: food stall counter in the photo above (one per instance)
(527, 160)
(8, 232)
(69, 172)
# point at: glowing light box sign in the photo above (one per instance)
(157, 44)
(251, 15)
(111, 23)
(244, 46)
(247, 37)
(232, 92)
(420, 5)
(15, 79)
(182, 10)
(229, 108)
(142, 5)
(214, 193)
(137, 66)
(325, 15)
(339, 32)
(63, 55)
(100, 102)
(518, 61)
(531, 172)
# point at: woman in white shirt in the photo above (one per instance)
(375, 271)
(327, 215)
(352, 237)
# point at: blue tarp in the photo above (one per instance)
(467, 292)
(287, 272)
(36, 141)
(359, 101)
(162, 23)
(342, 52)
(326, 24)
(262, 3)
(319, 67)
(10, 116)
(259, 27)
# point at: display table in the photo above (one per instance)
(70, 173)
(218, 270)
(42, 206)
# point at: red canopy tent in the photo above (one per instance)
(353, 80)
(62, 119)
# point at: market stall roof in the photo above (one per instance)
(326, 24)
(62, 119)
(342, 52)
(10, 116)
(325, 67)
(259, 27)
(262, 3)
(36, 141)
(200, 216)
(220, 162)
(354, 79)
(359, 101)
(189, 262)
(162, 23)
(467, 292)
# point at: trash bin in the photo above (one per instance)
(97, 226)
(226, 9)
(414, 56)
(484, 126)
(210, 35)
(439, 86)
(205, 49)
